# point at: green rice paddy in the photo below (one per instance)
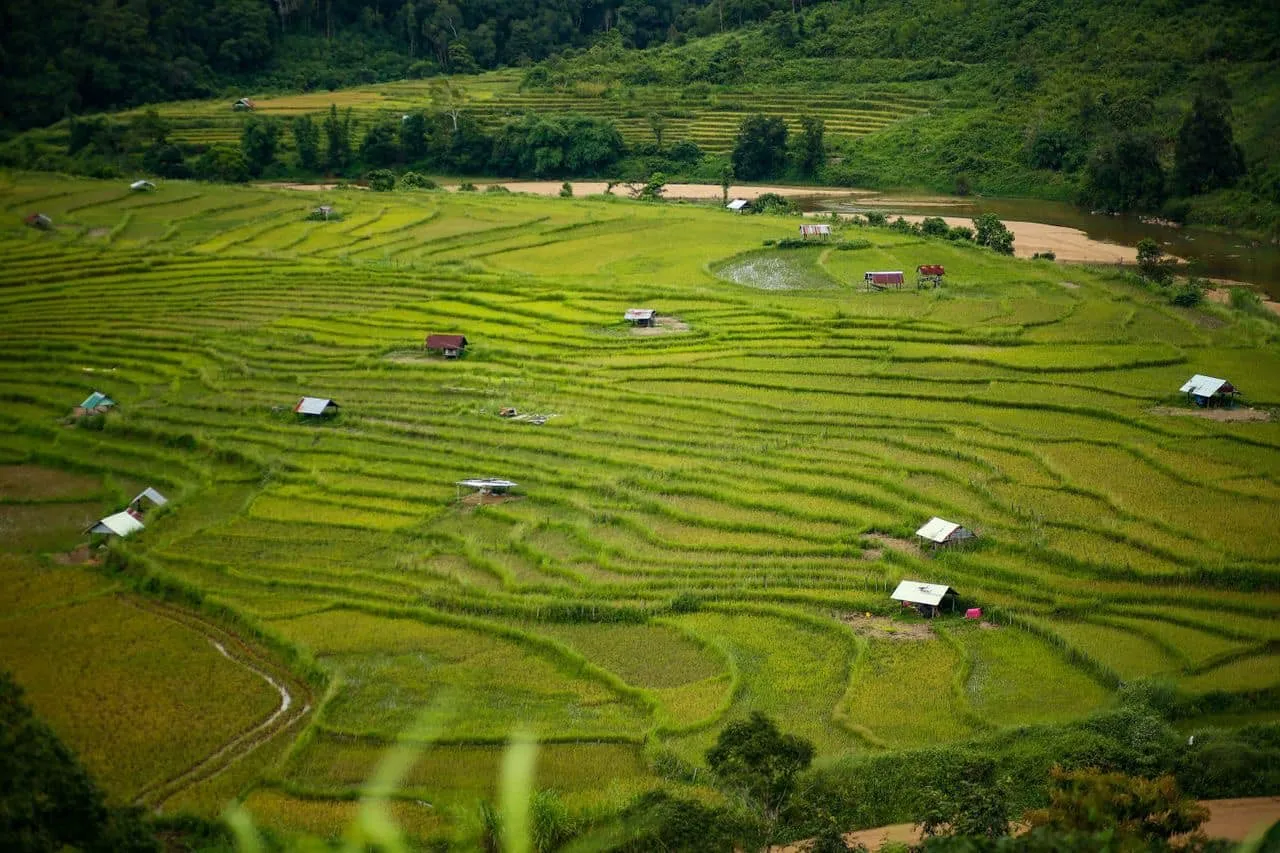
(692, 529)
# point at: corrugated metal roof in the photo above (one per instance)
(96, 399)
(142, 185)
(940, 530)
(931, 269)
(640, 313)
(151, 495)
(313, 405)
(121, 524)
(488, 483)
(1203, 386)
(815, 228)
(916, 592)
(737, 204)
(446, 341)
(885, 277)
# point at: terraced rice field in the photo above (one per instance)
(691, 526)
(711, 122)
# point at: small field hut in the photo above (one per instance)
(940, 533)
(815, 231)
(152, 498)
(449, 346)
(1207, 391)
(485, 486)
(324, 211)
(38, 220)
(121, 524)
(738, 205)
(885, 278)
(316, 407)
(244, 104)
(641, 316)
(929, 275)
(142, 186)
(95, 404)
(926, 598)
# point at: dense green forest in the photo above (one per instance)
(1160, 106)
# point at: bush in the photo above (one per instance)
(566, 190)
(381, 180)
(416, 181)
(1191, 293)
(496, 188)
(993, 234)
(466, 187)
(685, 151)
(1045, 256)
(960, 233)
(877, 219)
(903, 226)
(773, 203)
(853, 245)
(934, 226)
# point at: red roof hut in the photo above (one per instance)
(450, 346)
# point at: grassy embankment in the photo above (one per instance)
(753, 466)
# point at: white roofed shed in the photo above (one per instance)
(121, 524)
(939, 531)
(925, 597)
(149, 494)
(1206, 388)
(737, 205)
(315, 406)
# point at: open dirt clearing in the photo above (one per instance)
(1069, 245)
(882, 628)
(1220, 415)
(1222, 295)
(666, 326)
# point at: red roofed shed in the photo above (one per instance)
(881, 280)
(450, 346)
(929, 274)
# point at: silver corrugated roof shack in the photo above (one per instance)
(121, 524)
(737, 205)
(148, 494)
(316, 406)
(939, 531)
(1206, 390)
(925, 597)
(640, 316)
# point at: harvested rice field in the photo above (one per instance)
(708, 524)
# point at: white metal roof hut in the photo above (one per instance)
(243, 104)
(142, 186)
(925, 597)
(121, 524)
(940, 533)
(95, 404)
(149, 495)
(641, 316)
(816, 230)
(738, 205)
(316, 407)
(1209, 390)
(486, 486)
(323, 211)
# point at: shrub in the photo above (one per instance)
(1191, 293)
(993, 234)
(853, 245)
(466, 187)
(685, 151)
(1045, 256)
(381, 180)
(496, 188)
(902, 225)
(1152, 263)
(876, 218)
(566, 190)
(934, 226)
(773, 203)
(959, 233)
(416, 181)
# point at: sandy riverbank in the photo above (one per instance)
(686, 192)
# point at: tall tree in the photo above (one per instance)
(1205, 155)
(755, 761)
(811, 152)
(1124, 173)
(760, 149)
(306, 142)
(337, 132)
(657, 124)
(258, 141)
(1133, 808)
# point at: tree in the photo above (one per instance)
(382, 180)
(811, 152)
(381, 145)
(760, 149)
(755, 761)
(1145, 810)
(1205, 155)
(726, 180)
(657, 124)
(450, 99)
(413, 136)
(653, 188)
(306, 142)
(222, 163)
(259, 140)
(47, 800)
(1152, 263)
(337, 133)
(992, 233)
(566, 190)
(934, 226)
(973, 805)
(1124, 174)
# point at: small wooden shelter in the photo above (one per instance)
(1207, 391)
(883, 279)
(641, 316)
(324, 211)
(940, 533)
(96, 403)
(738, 205)
(38, 220)
(815, 230)
(485, 486)
(121, 524)
(152, 498)
(929, 275)
(316, 407)
(450, 346)
(244, 104)
(142, 186)
(926, 598)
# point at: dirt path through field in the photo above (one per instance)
(1234, 820)
(287, 712)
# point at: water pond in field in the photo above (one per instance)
(777, 270)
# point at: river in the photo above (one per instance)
(1215, 254)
